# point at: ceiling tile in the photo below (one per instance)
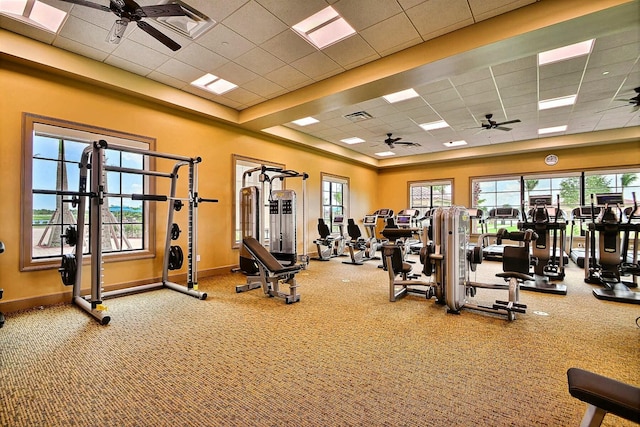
(225, 42)
(288, 77)
(351, 52)
(451, 15)
(293, 12)
(139, 54)
(263, 87)
(288, 46)
(216, 9)
(127, 65)
(235, 73)
(245, 22)
(361, 14)
(179, 70)
(391, 35)
(316, 65)
(485, 9)
(200, 57)
(87, 34)
(259, 61)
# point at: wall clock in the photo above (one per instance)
(551, 160)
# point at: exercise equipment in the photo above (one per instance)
(607, 267)
(580, 218)
(1, 290)
(282, 241)
(272, 272)
(603, 395)
(402, 281)
(93, 195)
(329, 244)
(453, 259)
(548, 249)
(360, 248)
(493, 252)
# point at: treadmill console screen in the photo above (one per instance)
(609, 199)
(540, 200)
(403, 220)
(370, 219)
(339, 219)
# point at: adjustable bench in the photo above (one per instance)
(271, 272)
(603, 395)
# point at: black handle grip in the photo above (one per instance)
(150, 197)
(207, 200)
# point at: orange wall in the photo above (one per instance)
(28, 90)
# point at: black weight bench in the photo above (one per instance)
(603, 395)
(271, 272)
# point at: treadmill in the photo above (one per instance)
(493, 252)
(581, 217)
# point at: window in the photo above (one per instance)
(243, 179)
(572, 188)
(425, 195)
(52, 152)
(334, 198)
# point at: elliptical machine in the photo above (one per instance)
(548, 248)
(607, 267)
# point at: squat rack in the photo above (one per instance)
(92, 160)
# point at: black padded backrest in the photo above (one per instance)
(353, 229)
(323, 228)
(516, 258)
(263, 256)
(395, 252)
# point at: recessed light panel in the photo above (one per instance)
(324, 28)
(401, 96)
(214, 84)
(38, 14)
(553, 129)
(385, 153)
(562, 101)
(354, 140)
(565, 52)
(440, 124)
(305, 121)
(455, 143)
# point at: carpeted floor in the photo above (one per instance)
(343, 356)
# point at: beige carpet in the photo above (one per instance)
(343, 356)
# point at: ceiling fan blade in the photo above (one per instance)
(508, 122)
(503, 128)
(170, 9)
(89, 4)
(117, 31)
(414, 144)
(153, 32)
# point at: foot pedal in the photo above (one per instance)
(510, 306)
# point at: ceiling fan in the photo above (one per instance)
(130, 11)
(488, 124)
(392, 142)
(634, 101)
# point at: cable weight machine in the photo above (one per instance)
(93, 161)
(282, 220)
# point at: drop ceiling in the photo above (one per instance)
(464, 58)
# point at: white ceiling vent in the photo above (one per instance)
(358, 116)
(192, 26)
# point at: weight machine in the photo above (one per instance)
(93, 161)
(453, 259)
(494, 252)
(282, 221)
(610, 263)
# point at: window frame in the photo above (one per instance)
(73, 131)
(345, 182)
(430, 184)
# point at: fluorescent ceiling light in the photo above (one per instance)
(15, 7)
(434, 125)
(324, 28)
(562, 101)
(305, 121)
(401, 96)
(553, 129)
(565, 52)
(455, 143)
(385, 153)
(214, 84)
(34, 13)
(354, 140)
